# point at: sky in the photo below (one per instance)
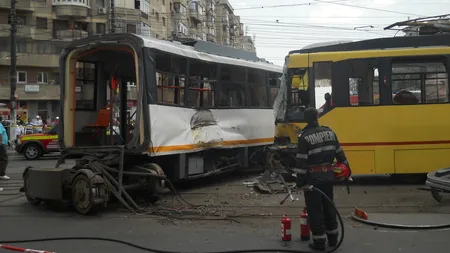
(284, 25)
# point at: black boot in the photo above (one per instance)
(318, 245)
(332, 239)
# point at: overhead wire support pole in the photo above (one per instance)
(113, 17)
(13, 71)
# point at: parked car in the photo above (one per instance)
(34, 146)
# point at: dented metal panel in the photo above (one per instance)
(184, 130)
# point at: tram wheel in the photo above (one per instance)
(89, 194)
(30, 199)
(273, 161)
(157, 185)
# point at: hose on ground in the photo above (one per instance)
(341, 239)
(399, 226)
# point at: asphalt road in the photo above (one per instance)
(19, 220)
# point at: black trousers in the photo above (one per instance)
(321, 215)
(3, 159)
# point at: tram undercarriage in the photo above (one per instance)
(106, 173)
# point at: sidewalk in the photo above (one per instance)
(12, 152)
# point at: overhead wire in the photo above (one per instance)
(367, 8)
(282, 5)
(260, 27)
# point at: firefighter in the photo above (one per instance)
(318, 146)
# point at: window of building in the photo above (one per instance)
(322, 81)
(170, 78)
(419, 82)
(86, 98)
(21, 20)
(42, 77)
(100, 3)
(21, 47)
(179, 8)
(196, 7)
(131, 28)
(232, 86)
(164, 21)
(182, 28)
(21, 76)
(202, 84)
(100, 28)
(157, 16)
(41, 23)
(42, 48)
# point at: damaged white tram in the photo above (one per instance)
(193, 109)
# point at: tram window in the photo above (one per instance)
(258, 96)
(258, 88)
(85, 94)
(256, 76)
(232, 90)
(202, 83)
(170, 78)
(365, 90)
(273, 94)
(322, 81)
(419, 82)
(274, 84)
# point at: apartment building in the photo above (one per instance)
(247, 43)
(45, 27)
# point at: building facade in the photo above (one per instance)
(45, 27)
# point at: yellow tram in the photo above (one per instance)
(390, 99)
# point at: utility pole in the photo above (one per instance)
(113, 17)
(13, 71)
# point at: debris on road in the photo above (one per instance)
(268, 183)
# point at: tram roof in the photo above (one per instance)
(382, 43)
(213, 55)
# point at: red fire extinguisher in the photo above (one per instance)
(286, 228)
(304, 226)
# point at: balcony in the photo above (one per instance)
(195, 16)
(32, 91)
(179, 16)
(71, 9)
(22, 31)
(226, 41)
(24, 5)
(71, 34)
(131, 14)
(232, 20)
(32, 60)
(210, 38)
(181, 35)
(226, 22)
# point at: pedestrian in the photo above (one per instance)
(317, 148)
(3, 151)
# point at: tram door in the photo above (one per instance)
(120, 121)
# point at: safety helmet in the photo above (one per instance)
(341, 171)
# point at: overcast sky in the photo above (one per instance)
(304, 22)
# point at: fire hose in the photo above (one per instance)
(304, 188)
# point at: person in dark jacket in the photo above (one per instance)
(318, 146)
